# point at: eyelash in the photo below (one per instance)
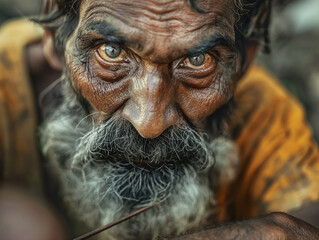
(87, 44)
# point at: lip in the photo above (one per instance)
(131, 162)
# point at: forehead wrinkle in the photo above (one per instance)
(121, 8)
(162, 19)
(86, 13)
(128, 28)
(162, 23)
(107, 17)
(153, 7)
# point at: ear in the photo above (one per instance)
(251, 51)
(55, 60)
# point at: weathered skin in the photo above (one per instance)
(153, 85)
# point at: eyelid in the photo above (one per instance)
(88, 41)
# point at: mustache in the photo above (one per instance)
(117, 141)
(139, 170)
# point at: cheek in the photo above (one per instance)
(198, 104)
(103, 96)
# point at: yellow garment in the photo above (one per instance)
(19, 156)
(279, 166)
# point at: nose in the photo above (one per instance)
(151, 107)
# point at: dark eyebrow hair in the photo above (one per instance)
(210, 42)
(103, 30)
(193, 5)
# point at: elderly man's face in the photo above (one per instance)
(154, 63)
(148, 74)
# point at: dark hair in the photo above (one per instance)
(254, 20)
(252, 24)
(60, 16)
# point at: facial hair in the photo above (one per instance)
(107, 170)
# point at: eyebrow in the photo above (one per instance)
(210, 42)
(101, 29)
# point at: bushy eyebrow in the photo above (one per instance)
(193, 5)
(209, 43)
(99, 30)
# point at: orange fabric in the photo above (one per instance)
(19, 158)
(279, 168)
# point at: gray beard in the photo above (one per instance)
(101, 179)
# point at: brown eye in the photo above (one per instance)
(201, 60)
(112, 52)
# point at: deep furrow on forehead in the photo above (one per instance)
(149, 10)
(86, 12)
(164, 26)
(143, 16)
(105, 15)
(155, 7)
(148, 18)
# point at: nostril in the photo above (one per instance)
(150, 121)
(146, 125)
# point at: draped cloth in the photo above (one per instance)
(279, 159)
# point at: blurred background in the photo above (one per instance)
(295, 47)
(295, 52)
(15, 8)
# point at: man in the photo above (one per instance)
(145, 112)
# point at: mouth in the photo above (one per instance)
(138, 162)
(153, 165)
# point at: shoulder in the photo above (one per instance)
(258, 93)
(279, 157)
(19, 30)
(266, 113)
(18, 139)
(15, 35)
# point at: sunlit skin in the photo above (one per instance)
(157, 63)
(171, 64)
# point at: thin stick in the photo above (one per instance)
(101, 229)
